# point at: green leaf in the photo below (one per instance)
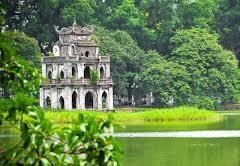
(45, 162)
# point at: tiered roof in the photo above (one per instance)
(74, 29)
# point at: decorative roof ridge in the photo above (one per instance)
(74, 29)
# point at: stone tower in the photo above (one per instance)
(68, 72)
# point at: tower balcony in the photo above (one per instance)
(82, 81)
(76, 58)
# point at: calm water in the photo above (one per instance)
(172, 151)
(181, 151)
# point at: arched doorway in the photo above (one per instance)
(87, 72)
(89, 101)
(86, 53)
(49, 75)
(74, 71)
(104, 100)
(74, 100)
(102, 73)
(61, 102)
(48, 102)
(62, 75)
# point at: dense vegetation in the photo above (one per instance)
(197, 72)
(24, 45)
(183, 50)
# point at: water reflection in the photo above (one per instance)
(181, 151)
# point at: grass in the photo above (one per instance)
(141, 115)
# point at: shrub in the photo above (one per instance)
(204, 102)
(94, 77)
(88, 142)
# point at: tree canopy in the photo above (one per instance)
(25, 46)
(184, 34)
(228, 23)
(198, 67)
(125, 57)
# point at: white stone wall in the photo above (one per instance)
(66, 92)
(107, 70)
(54, 97)
(56, 50)
(77, 50)
(44, 70)
(41, 99)
(81, 98)
(55, 71)
(80, 68)
(64, 51)
(67, 69)
(55, 92)
(92, 51)
(44, 93)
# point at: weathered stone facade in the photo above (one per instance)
(68, 84)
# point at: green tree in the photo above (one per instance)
(166, 79)
(94, 77)
(198, 14)
(27, 47)
(162, 16)
(104, 9)
(128, 17)
(213, 70)
(16, 74)
(228, 23)
(35, 18)
(80, 11)
(17, 12)
(197, 69)
(126, 58)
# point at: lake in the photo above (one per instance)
(160, 145)
(175, 144)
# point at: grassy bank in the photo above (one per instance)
(139, 115)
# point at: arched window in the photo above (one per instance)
(89, 100)
(104, 99)
(61, 102)
(87, 72)
(48, 102)
(74, 100)
(62, 75)
(72, 50)
(86, 53)
(49, 75)
(74, 71)
(102, 73)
